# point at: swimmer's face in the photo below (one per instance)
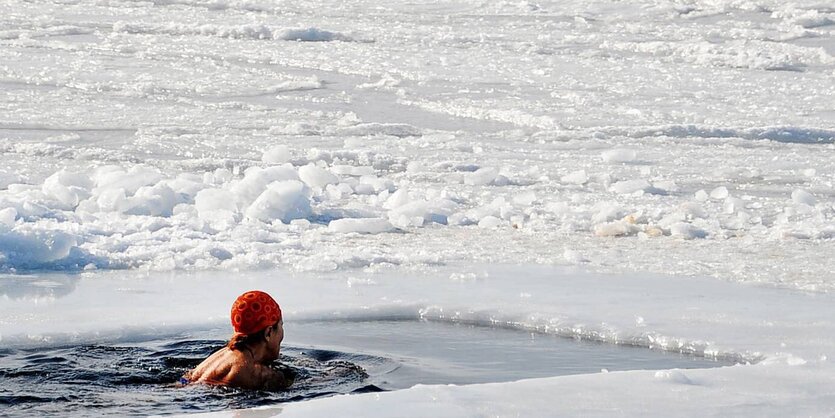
(274, 338)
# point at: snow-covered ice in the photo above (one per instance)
(784, 333)
(693, 139)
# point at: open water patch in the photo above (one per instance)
(329, 357)
(139, 379)
(435, 352)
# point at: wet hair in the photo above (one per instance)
(241, 341)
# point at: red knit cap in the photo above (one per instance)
(253, 311)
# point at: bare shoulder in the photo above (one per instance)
(229, 371)
(217, 368)
(231, 368)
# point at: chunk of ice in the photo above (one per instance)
(256, 179)
(733, 205)
(802, 197)
(37, 247)
(685, 230)
(111, 200)
(719, 193)
(490, 222)
(397, 199)
(575, 177)
(615, 229)
(619, 156)
(278, 154)
(157, 200)
(360, 225)
(607, 211)
(317, 177)
(7, 218)
(114, 178)
(437, 210)
(208, 200)
(665, 186)
(630, 186)
(67, 188)
(692, 210)
(283, 200)
(524, 199)
(481, 177)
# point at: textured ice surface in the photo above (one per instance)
(147, 142)
(691, 138)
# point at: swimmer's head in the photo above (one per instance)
(254, 311)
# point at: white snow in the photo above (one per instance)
(691, 139)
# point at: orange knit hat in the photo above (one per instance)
(253, 311)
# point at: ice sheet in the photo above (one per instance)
(784, 332)
(148, 149)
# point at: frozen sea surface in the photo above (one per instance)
(368, 148)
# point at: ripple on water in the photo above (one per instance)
(81, 379)
(342, 357)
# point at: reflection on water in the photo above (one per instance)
(139, 379)
(132, 377)
(432, 352)
(39, 286)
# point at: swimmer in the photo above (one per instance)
(245, 361)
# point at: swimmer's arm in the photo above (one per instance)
(272, 380)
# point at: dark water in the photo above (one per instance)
(331, 357)
(138, 380)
